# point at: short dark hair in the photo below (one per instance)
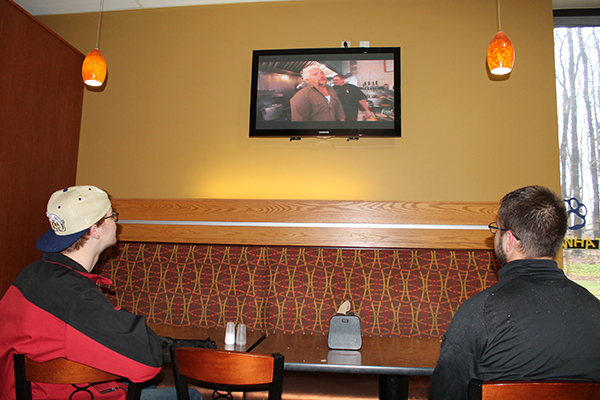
(82, 240)
(538, 217)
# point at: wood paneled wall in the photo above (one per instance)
(41, 97)
(369, 224)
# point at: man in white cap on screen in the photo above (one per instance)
(55, 309)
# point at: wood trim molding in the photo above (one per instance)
(323, 223)
(50, 31)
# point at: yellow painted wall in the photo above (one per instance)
(173, 118)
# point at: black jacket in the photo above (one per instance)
(533, 324)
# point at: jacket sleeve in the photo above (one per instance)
(114, 341)
(460, 352)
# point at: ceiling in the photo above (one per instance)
(47, 7)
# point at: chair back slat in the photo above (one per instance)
(532, 390)
(61, 371)
(65, 372)
(227, 367)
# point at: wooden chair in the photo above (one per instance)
(225, 371)
(61, 371)
(532, 390)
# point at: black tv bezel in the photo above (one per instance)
(298, 130)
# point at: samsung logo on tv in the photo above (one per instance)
(321, 132)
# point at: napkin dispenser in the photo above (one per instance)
(344, 330)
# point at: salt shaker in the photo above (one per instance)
(230, 333)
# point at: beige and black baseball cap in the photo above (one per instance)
(71, 213)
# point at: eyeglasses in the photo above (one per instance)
(114, 215)
(495, 228)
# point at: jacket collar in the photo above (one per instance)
(65, 261)
(530, 267)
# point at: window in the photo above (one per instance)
(577, 63)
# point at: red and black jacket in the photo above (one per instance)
(55, 309)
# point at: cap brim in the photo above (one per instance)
(50, 242)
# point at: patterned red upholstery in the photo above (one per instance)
(410, 293)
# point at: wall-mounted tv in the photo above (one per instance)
(338, 92)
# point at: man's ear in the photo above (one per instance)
(94, 231)
(512, 244)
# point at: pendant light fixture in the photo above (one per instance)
(501, 54)
(93, 69)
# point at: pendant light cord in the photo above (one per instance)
(499, 26)
(100, 22)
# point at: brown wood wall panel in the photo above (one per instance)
(41, 99)
(319, 237)
(307, 211)
(395, 212)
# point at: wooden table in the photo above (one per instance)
(392, 359)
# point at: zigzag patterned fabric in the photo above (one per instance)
(406, 293)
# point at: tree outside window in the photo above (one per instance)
(577, 59)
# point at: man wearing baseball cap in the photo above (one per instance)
(55, 309)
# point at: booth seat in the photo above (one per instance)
(396, 292)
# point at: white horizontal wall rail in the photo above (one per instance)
(305, 224)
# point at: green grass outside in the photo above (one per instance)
(591, 270)
(583, 266)
(592, 286)
(580, 272)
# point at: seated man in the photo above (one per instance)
(54, 309)
(534, 324)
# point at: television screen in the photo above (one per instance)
(339, 92)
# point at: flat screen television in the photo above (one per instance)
(364, 82)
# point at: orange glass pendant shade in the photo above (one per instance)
(500, 55)
(93, 69)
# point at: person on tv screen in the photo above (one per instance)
(353, 99)
(535, 323)
(317, 101)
